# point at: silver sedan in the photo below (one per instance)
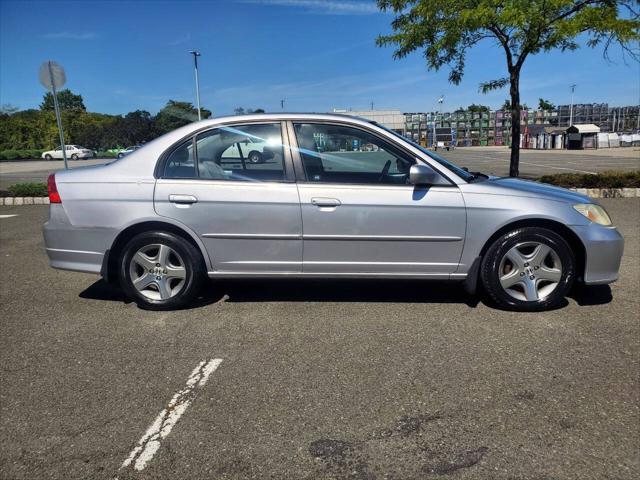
(337, 197)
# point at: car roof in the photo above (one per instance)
(282, 116)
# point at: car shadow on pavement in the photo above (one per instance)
(592, 294)
(331, 290)
(311, 290)
(342, 290)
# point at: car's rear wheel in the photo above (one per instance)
(160, 270)
(255, 157)
(74, 156)
(528, 269)
(48, 157)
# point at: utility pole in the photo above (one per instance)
(282, 104)
(371, 105)
(573, 88)
(197, 54)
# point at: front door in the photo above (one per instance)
(361, 216)
(247, 214)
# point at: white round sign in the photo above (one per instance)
(52, 75)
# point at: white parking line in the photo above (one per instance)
(149, 444)
(8, 216)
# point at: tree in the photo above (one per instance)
(473, 108)
(447, 29)
(506, 106)
(67, 100)
(177, 114)
(238, 111)
(545, 104)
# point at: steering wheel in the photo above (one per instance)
(385, 170)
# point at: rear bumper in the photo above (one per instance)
(73, 248)
(604, 247)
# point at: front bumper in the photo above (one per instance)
(604, 247)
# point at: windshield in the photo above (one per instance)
(466, 176)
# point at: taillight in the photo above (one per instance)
(54, 196)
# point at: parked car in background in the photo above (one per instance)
(251, 149)
(128, 150)
(342, 197)
(74, 152)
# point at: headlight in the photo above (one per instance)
(594, 212)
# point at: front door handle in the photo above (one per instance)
(325, 202)
(182, 199)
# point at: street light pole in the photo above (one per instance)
(573, 88)
(435, 140)
(196, 54)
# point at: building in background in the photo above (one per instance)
(392, 119)
(482, 127)
(541, 129)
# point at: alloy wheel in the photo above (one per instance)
(157, 271)
(530, 271)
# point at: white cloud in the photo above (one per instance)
(70, 35)
(324, 7)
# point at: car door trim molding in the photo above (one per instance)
(385, 238)
(366, 238)
(254, 236)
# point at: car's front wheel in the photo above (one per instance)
(528, 269)
(48, 157)
(160, 270)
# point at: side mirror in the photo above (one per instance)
(421, 174)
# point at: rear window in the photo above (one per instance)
(252, 153)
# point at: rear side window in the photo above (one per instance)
(252, 153)
(180, 163)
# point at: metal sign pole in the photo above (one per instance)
(58, 119)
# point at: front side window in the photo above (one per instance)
(342, 154)
(252, 153)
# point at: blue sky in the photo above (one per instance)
(317, 55)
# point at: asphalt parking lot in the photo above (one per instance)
(314, 379)
(534, 163)
(491, 160)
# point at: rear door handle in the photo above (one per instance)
(325, 202)
(182, 199)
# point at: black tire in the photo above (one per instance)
(74, 157)
(493, 261)
(255, 157)
(195, 271)
(48, 157)
(120, 155)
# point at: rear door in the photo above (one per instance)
(248, 215)
(360, 214)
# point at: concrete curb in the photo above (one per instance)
(15, 201)
(591, 192)
(609, 192)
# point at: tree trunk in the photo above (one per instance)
(514, 90)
